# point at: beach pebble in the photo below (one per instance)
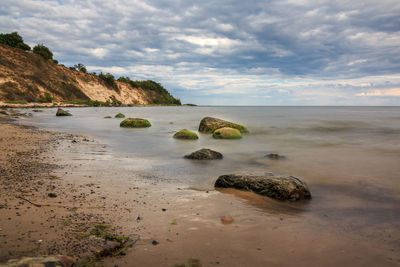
(226, 220)
(52, 195)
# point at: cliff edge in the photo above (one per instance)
(25, 76)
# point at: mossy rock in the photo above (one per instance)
(120, 115)
(3, 112)
(227, 133)
(209, 125)
(107, 117)
(61, 112)
(135, 123)
(186, 134)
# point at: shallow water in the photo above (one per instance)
(349, 156)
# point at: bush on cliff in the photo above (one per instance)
(43, 51)
(13, 39)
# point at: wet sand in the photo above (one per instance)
(185, 222)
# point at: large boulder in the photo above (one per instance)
(209, 125)
(135, 123)
(61, 112)
(227, 133)
(287, 188)
(186, 134)
(204, 153)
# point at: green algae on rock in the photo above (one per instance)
(209, 125)
(61, 112)
(186, 134)
(120, 115)
(135, 123)
(107, 117)
(227, 133)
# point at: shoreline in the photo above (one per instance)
(39, 215)
(5, 105)
(185, 223)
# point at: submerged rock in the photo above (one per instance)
(288, 188)
(204, 153)
(227, 133)
(274, 156)
(135, 123)
(209, 125)
(186, 134)
(107, 117)
(120, 115)
(61, 112)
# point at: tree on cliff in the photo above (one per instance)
(80, 67)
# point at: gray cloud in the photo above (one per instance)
(258, 52)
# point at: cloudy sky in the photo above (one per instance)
(231, 52)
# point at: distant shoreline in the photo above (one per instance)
(63, 104)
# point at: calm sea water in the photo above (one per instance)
(330, 138)
(349, 156)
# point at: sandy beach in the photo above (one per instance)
(57, 188)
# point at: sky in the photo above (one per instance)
(231, 52)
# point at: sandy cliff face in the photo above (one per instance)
(27, 76)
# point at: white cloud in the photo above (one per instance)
(98, 52)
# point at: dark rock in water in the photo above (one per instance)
(204, 153)
(155, 242)
(288, 188)
(209, 125)
(274, 156)
(62, 261)
(61, 112)
(52, 195)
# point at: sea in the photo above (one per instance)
(348, 156)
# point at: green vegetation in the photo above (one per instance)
(94, 103)
(23, 46)
(109, 79)
(162, 97)
(3, 112)
(227, 133)
(186, 134)
(23, 102)
(42, 50)
(135, 123)
(47, 98)
(107, 117)
(13, 39)
(120, 115)
(80, 67)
